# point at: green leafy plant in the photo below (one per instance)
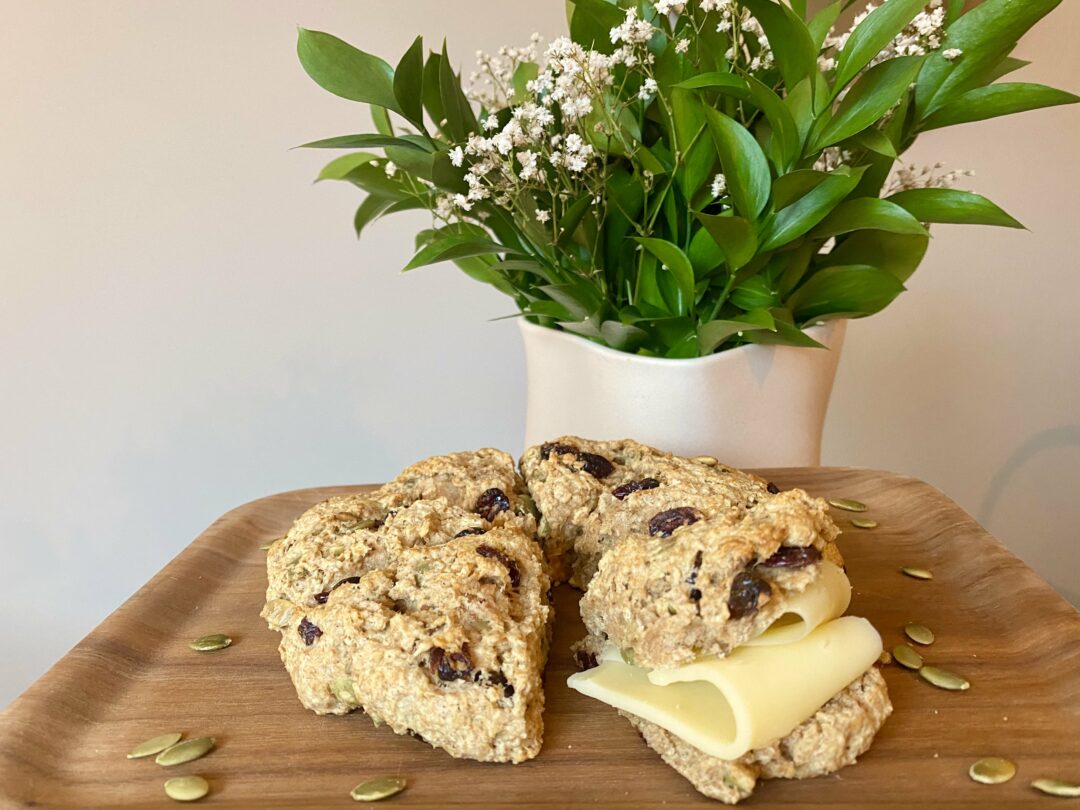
(676, 179)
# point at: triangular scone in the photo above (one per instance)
(447, 643)
(708, 586)
(839, 732)
(592, 495)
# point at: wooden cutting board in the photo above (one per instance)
(63, 743)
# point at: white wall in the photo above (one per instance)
(187, 323)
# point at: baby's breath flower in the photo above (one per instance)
(719, 185)
(648, 89)
(542, 216)
(666, 7)
(682, 46)
(457, 156)
(633, 31)
(391, 168)
(952, 53)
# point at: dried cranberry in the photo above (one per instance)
(511, 566)
(585, 659)
(450, 667)
(793, 557)
(695, 594)
(308, 631)
(621, 492)
(773, 488)
(666, 522)
(558, 449)
(596, 466)
(467, 532)
(490, 503)
(746, 590)
(499, 679)
(324, 595)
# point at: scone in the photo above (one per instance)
(447, 642)
(726, 646)
(592, 495)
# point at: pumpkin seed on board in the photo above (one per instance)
(848, 504)
(917, 573)
(907, 657)
(155, 745)
(216, 641)
(992, 770)
(186, 788)
(185, 752)
(374, 790)
(1057, 787)
(943, 679)
(919, 633)
(864, 523)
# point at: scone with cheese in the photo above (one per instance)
(726, 646)
(592, 495)
(446, 642)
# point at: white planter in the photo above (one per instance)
(754, 406)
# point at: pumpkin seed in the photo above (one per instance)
(216, 641)
(375, 789)
(919, 633)
(848, 504)
(345, 691)
(992, 770)
(186, 751)
(907, 656)
(864, 523)
(155, 745)
(187, 788)
(1057, 787)
(943, 679)
(917, 573)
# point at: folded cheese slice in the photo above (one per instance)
(824, 599)
(728, 706)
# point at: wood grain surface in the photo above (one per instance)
(63, 743)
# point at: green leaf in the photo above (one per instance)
(370, 210)
(791, 186)
(345, 71)
(868, 213)
(704, 252)
(735, 237)
(371, 176)
(591, 24)
(985, 35)
(339, 168)
(622, 336)
(1003, 68)
(800, 103)
(409, 83)
(525, 73)
(480, 268)
(793, 49)
(745, 165)
(572, 216)
(853, 290)
(950, 205)
(698, 152)
(994, 100)
(714, 79)
(823, 22)
(460, 118)
(678, 264)
(896, 254)
(785, 132)
(871, 97)
(875, 141)
(786, 334)
(431, 91)
(754, 293)
(380, 118)
(796, 219)
(366, 141)
(872, 35)
(447, 248)
(712, 334)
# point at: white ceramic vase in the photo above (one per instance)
(754, 406)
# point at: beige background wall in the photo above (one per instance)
(187, 323)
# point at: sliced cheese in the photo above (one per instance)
(728, 706)
(824, 599)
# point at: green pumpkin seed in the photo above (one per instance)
(848, 504)
(919, 633)
(943, 679)
(1057, 787)
(375, 789)
(187, 788)
(155, 745)
(864, 523)
(185, 752)
(345, 691)
(906, 656)
(992, 770)
(917, 573)
(217, 641)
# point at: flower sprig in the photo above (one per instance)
(678, 178)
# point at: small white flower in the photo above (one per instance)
(391, 168)
(542, 216)
(463, 202)
(648, 89)
(951, 53)
(457, 156)
(719, 185)
(682, 46)
(666, 7)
